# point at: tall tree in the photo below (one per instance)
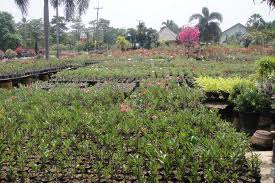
(256, 22)
(35, 27)
(141, 33)
(22, 29)
(171, 25)
(77, 27)
(70, 8)
(62, 27)
(209, 25)
(9, 39)
(56, 4)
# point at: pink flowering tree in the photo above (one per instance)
(189, 36)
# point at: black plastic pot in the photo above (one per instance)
(249, 122)
(224, 95)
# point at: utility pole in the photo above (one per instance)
(97, 16)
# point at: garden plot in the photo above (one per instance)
(160, 133)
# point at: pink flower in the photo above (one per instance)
(189, 36)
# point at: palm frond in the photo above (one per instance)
(205, 12)
(270, 3)
(195, 17)
(55, 3)
(69, 9)
(215, 16)
(83, 5)
(23, 5)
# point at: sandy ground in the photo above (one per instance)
(267, 167)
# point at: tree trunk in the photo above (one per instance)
(57, 31)
(46, 28)
(36, 47)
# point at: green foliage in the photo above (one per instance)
(85, 134)
(220, 84)
(155, 68)
(171, 25)
(122, 42)
(9, 39)
(247, 98)
(31, 32)
(266, 66)
(10, 54)
(208, 24)
(8, 68)
(84, 46)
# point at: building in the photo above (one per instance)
(165, 34)
(237, 30)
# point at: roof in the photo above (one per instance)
(165, 34)
(238, 24)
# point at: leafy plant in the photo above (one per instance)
(221, 84)
(10, 54)
(249, 99)
(122, 42)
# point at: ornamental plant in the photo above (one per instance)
(247, 98)
(122, 43)
(10, 54)
(189, 36)
(19, 50)
(67, 135)
(210, 84)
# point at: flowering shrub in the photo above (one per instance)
(10, 54)
(19, 50)
(189, 36)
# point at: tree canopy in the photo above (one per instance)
(208, 24)
(8, 36)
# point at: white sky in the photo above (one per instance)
(125, 13)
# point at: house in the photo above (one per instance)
(165, 34)
(237, 30)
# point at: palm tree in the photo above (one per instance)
(70, 7)
(255, 21)
(270, 3)
(56, 4)
(171, 25)
(208, 24)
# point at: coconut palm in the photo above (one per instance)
(171, 25)
(255, 21)
(209, 25)
(70, 7)
(270, 3)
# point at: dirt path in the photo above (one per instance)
(267, 167)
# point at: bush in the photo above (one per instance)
(122, 43)
(266, 66)
(248, 99)
(10, 54)
(209, 84)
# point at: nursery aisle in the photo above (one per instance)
(267, 167)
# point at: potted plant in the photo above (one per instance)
(250, 103)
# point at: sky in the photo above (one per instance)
(127, 13)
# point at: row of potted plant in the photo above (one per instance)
(250, 102)
(124, 69)
(215, 88)
(22, 67)
(161, 133)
